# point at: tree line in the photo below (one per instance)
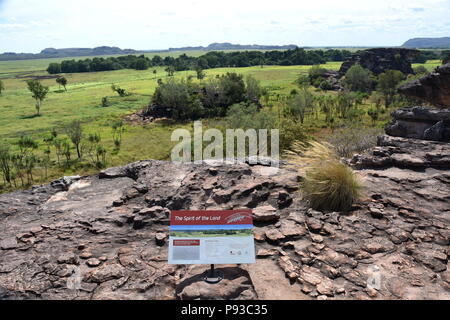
(213, 59)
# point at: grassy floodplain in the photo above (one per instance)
(82, 101)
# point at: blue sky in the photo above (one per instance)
(30, 25)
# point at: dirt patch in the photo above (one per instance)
(31, 77)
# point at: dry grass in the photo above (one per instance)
(328, 183)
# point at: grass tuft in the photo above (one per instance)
(328, 183)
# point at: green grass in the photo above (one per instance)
(430, 64)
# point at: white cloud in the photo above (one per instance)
(27, 25)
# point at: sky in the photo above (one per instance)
(30, 26)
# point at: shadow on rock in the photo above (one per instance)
(236, 284)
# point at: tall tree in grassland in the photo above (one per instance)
(387, 85)
(170, 71)
(253, 89)
(39, 93)
(75, 133)
(2, 87)
(300, 104)
(62, 81)
(200, 73)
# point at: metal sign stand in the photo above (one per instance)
(212, 275)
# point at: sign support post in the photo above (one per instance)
(212, 275)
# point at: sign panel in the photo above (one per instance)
(211, 237)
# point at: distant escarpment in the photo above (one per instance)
(425, 43)
(230, 46)
(68, 52)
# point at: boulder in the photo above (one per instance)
(433, 88)
(379, 60)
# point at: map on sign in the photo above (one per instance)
(211, 237)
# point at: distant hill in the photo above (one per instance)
(100, 51)
(230, 46)
(424, 43)
(67, 52)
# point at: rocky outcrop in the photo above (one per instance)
(405, 153)
(433, 88)
(105, 237)
(379, 60)
(420, 123)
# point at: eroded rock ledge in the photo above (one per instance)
(420, 123)
(433, 88)
(111, 230)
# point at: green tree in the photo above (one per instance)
(200, 73)
(253, 89)
(39, 92)
(301, 104)
(387, 85)
(75, 132)
(358, 79)
(5, 163)
(170, 71)
(54, 68)
(117, 131)
(62, 81)
(373, 114)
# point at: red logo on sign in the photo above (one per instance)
(238, 217)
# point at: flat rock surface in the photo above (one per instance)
(104, 237)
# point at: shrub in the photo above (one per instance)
(315, 72)
(421, 70)
(120, 91)
(105, 102)
(328, 184)
(303, 80)
(352, 140)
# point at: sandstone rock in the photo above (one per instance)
(326, 287)
(93, 262)
(265, 214)
(379, 60)
(8, 243)
(433, 88)
(420, 123)
(405, 153)
(377, 245)
(236, 282)
(311, 275)
(314, 225)
(328, 249)
(68, 258)
(106, 272)
(86, 255)
(263, 253)
(160, 238)
(288, 267)
(274, 235)
(291, 229)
